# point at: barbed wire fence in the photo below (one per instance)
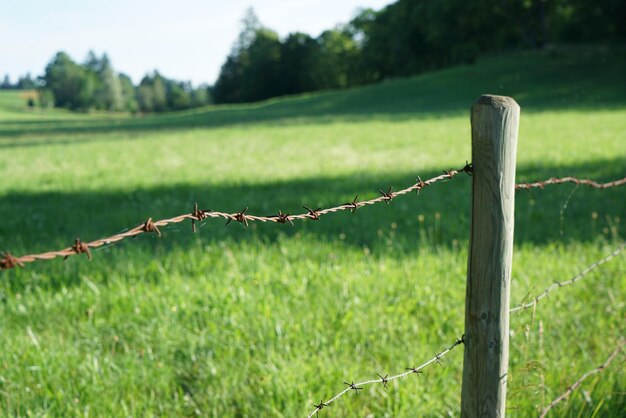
(570, 389)
(8, 261)
(383, 380)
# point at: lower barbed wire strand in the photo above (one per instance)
(576, 384)
(384, 380)
(569, 179)
(574, 279)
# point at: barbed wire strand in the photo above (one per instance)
(384, 380)
(561, 180)
(572, 387)
(8, 261)
(574, 279)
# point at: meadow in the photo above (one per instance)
(267, 320)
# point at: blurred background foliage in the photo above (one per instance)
(404, 38)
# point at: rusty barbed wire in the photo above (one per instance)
(573, 386)
(8, 261)
(555, 180)
(384, 380)
(574, 279)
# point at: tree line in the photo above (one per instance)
(406, 38)
(95, 85)
(23, 83)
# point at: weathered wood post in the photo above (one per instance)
(495, 121)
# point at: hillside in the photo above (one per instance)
(560, 78)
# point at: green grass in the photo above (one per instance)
(267, 320)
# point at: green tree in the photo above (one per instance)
(178, 95)
(129, 100)
(251, 71)
(145, 95)
(228, 87)
(201, 96)
(261, 78)
(151, 93)
(109, 93)
(337, 60)
(412, 36)
(250, 26)
(297, 68)
(92, 62)
(46, 98)
(588, 21)
(72, 86)
(26, 83)
(159, 94)
(6, 83)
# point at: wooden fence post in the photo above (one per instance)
(495, 121)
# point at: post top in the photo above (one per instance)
(494, 100)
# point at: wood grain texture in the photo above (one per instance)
(495, 121)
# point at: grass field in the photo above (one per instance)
(268, 320)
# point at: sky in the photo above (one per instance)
(184, 40)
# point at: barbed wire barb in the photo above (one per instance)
(313, 214)
(9, 262)
(353, 387)
(197, 215)
(574, 279)
(388, 195)
(386, 379)
(149, 226)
